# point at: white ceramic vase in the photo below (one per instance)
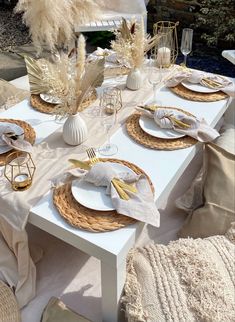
(75, 130)
(134, 79)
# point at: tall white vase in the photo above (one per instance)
(134, 79)
(75, 130)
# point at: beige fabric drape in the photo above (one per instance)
(11, 95)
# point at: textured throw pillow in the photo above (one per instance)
(218, 211)
(188, 280)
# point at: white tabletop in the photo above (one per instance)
(163, 167)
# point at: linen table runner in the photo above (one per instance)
(11, 95)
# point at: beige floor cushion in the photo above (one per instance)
(210, 201)
(188, 280)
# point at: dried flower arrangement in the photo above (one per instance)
(69, 78)
(132, 43)
(51, 22)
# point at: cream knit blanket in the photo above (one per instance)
(188, 280)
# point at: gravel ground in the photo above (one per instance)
(12, 31)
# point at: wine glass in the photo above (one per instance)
(186, 43)
(154, 76)
(110, 104)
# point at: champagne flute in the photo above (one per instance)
(108, 121)
(110, 104)
(186, 43)
(154, 76)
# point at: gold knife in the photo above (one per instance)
(80, 164)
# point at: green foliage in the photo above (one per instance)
(100, 38)
(217, 21)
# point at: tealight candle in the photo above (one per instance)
(21, 181)
(164, 56)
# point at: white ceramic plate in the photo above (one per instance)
(94, 197)
(149, 126)
(18, 131)
(199, 88)
(50, 99)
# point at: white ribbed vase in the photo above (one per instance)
(134, 79)
(75, 130)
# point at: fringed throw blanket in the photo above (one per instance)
(188, 280)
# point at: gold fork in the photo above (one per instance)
(92, 156)
(118, 184)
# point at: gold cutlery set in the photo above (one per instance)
(120, 186)
(211, 83)
(174, 120)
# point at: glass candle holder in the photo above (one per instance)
(166, 49)
(111, 99)
(19, 170)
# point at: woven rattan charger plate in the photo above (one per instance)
(29, 135)
(186, 93)
(92, 220)
(137, 134)
(40, 105)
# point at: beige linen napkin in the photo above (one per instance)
(198, 129)
(9, 136)
(197, 77)
(11, 95)
(111, 58)
(141, 204)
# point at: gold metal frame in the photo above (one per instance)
(19, 170)
(168, 39)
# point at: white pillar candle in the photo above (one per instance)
(164, 56)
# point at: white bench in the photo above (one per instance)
(110, 22)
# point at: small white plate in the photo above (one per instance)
(92, 197)
(50, 99)
(199, 88)
(18, 131)
(149, 126)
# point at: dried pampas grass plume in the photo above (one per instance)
(52, 22)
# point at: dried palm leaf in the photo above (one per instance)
(131, 42)
(47, 77)
(125, 30)
(92, 78)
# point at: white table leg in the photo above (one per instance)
(112, 282)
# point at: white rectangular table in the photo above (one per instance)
(164, 169)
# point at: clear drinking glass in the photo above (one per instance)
(110, 104)
(108, 121)
(154, 76)
(186, 43)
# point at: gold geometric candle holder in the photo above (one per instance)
(111, 99)
(19, 170)
(166, 49)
